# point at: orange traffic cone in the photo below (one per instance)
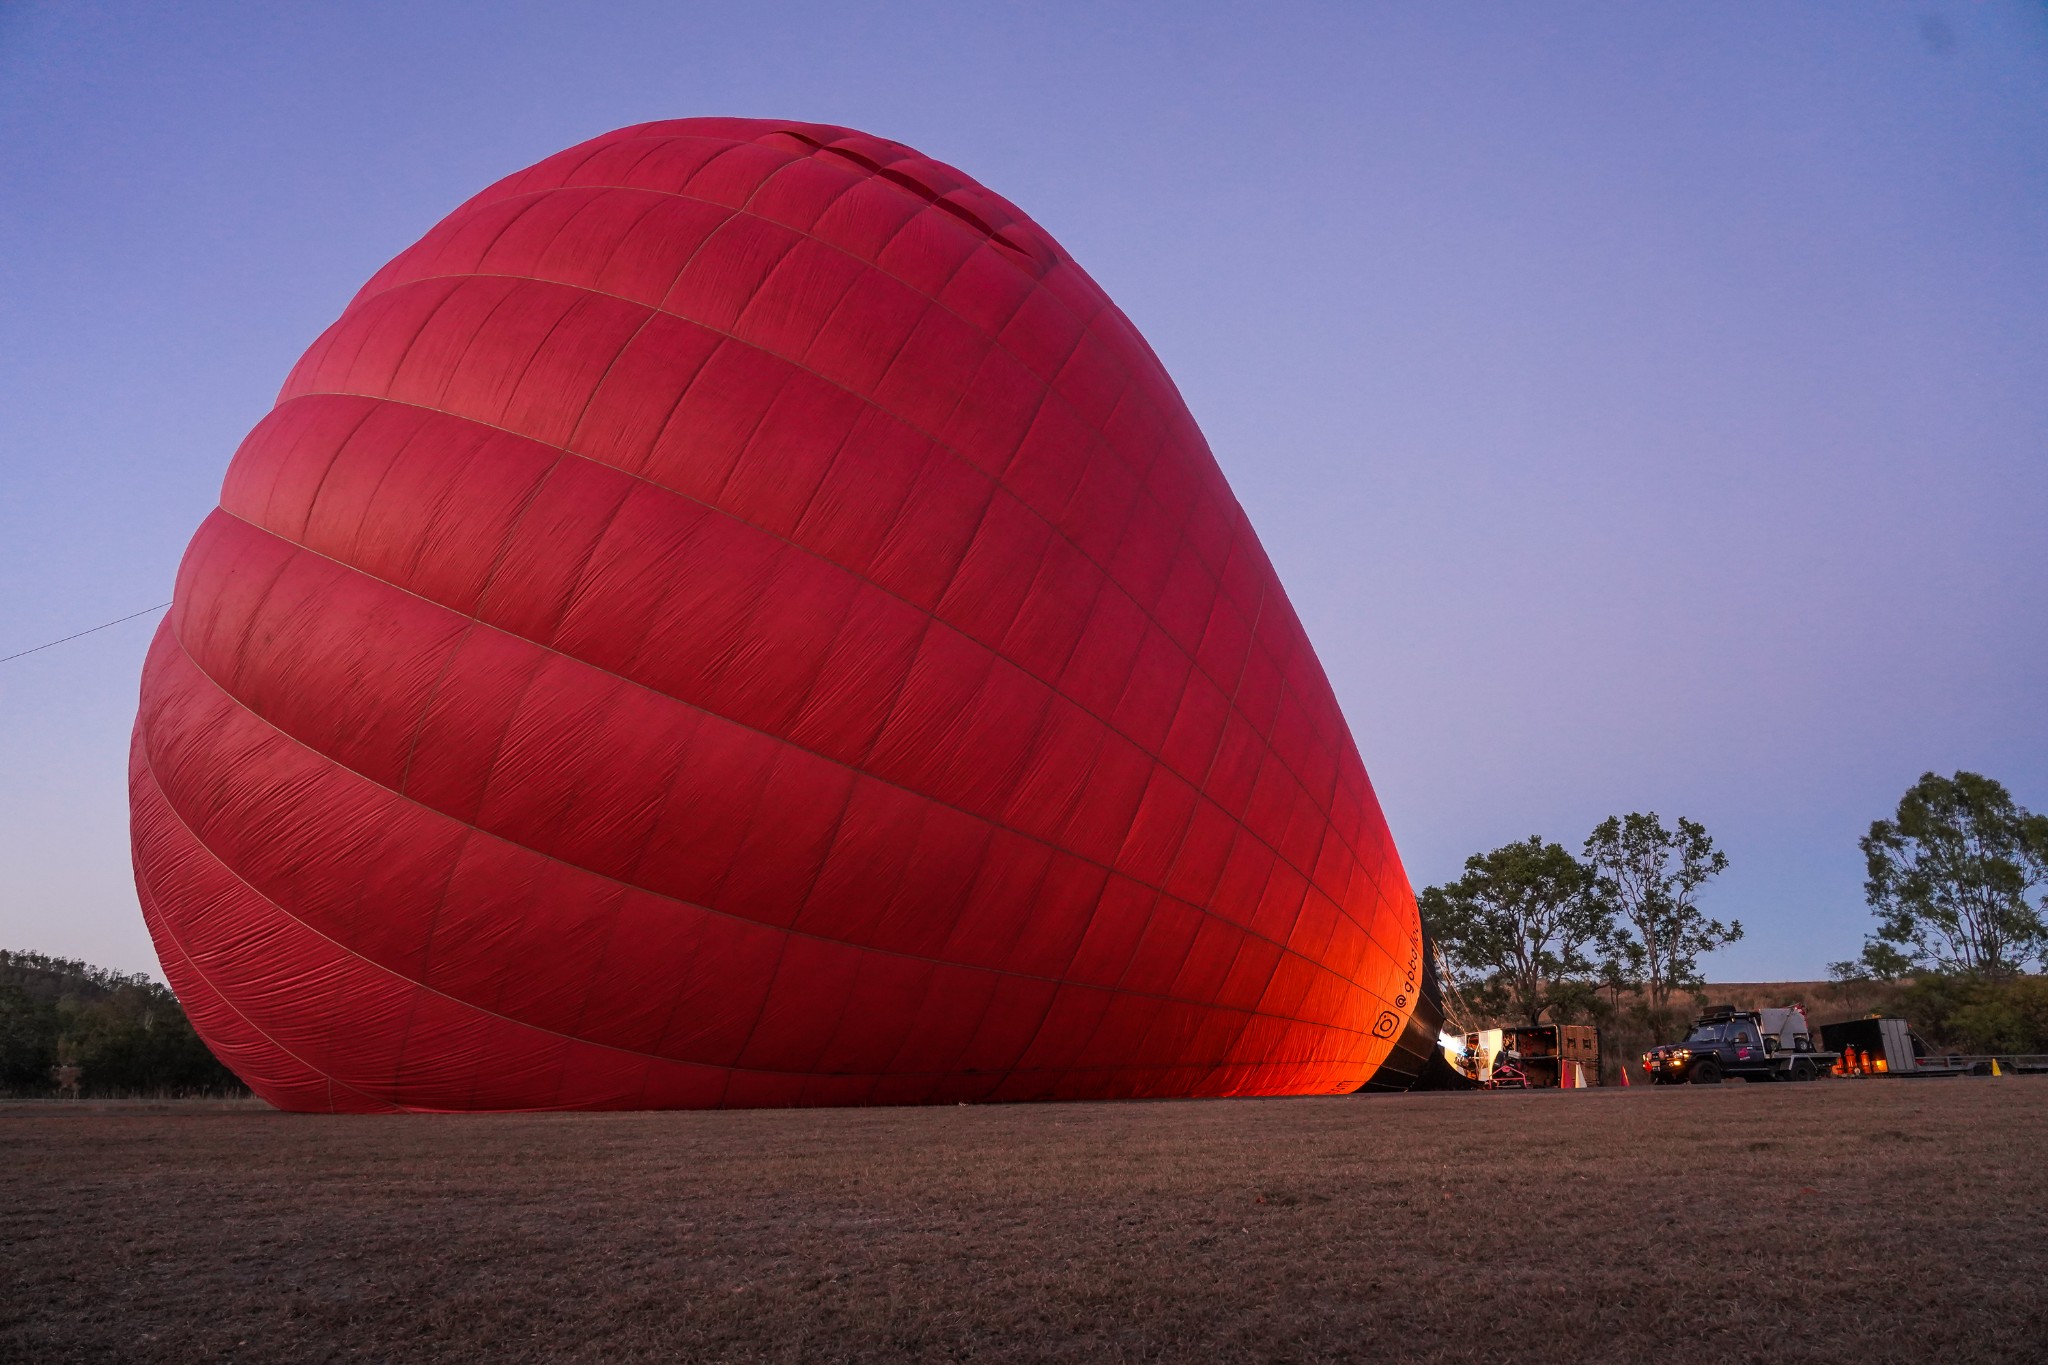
(1624, 1078)
(1578, 1075)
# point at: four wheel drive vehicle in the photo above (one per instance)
(1757, 1045)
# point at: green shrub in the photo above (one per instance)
(2008, 1016)
(29, 1029)
(126, 1034)
(1966, 1015)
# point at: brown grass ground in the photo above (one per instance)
(1858, 1221)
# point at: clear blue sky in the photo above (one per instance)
(1646, 406)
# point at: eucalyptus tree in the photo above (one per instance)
(1517, 925)
(1955, 879)
(1649, 878)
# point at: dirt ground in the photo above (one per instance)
(1858, 1221)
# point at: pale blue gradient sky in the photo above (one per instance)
(1646, 406)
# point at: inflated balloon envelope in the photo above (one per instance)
(735, 616)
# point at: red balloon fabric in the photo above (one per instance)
(735, 616)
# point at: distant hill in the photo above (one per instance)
(126, 1034)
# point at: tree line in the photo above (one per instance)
(66, 1026)
(1957, 880)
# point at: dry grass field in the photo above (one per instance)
(1844, 1221)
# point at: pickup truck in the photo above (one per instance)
(1757, 1045)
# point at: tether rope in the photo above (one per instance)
(87, 631)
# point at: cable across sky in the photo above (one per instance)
(52, 644)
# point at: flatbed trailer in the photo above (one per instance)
(1885, 1046)
(1978, 1064)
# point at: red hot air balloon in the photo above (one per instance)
(735, 616)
